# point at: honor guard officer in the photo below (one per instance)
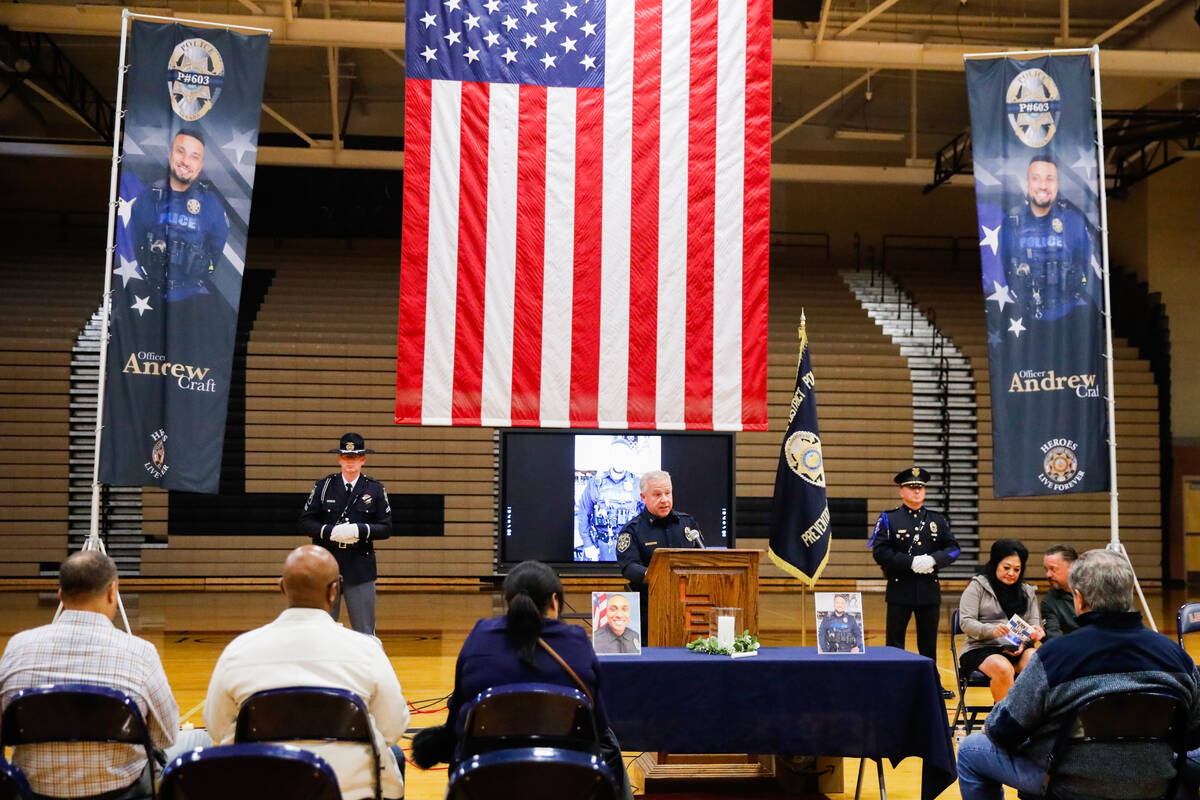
(178, 226)
(657, 525)
(346, 513)
(912, 543)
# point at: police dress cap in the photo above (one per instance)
(912, 476)
(352, 444)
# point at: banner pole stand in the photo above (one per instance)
(1114, 543)
(93, 541)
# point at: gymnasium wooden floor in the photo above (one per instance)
(422, 633)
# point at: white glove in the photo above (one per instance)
(344, 532)
(591, 553)
(923, 565)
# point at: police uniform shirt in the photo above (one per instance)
(604, 507)
(366, 504)
(1047, 261)
(178, 237)
(644, 534)
(839, 634)
(901, 533)
(605, 641)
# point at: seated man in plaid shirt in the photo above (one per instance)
(84, 647)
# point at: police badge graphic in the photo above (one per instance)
(1033, 106)
(1060, 465)
(195, 76)
(803, 452)
(157, 465)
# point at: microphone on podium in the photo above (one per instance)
(693, 536)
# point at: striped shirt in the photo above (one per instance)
(84, 647)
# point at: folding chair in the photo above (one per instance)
(1121, 719)
(1188, 620)
(530, 715)
(968, 713)
(249, 772)
(316, 713)
(13, 785)
(532, 773)
(75, 712)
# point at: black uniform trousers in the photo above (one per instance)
(898, 615)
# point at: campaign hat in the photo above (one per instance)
(911, 476)
(352, 444)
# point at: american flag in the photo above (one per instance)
(599, 610)
(586, 201)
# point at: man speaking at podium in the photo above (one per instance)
(657, 525)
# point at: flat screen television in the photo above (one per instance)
(565, 494)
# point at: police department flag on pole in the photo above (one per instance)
(800, 513)
(586, 192)
(187, 171)
(1033, 130)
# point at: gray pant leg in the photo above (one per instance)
(360, 603)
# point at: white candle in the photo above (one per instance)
(725, 632)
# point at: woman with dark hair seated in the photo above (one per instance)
(987, 605)
(522, 646)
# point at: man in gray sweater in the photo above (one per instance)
(1111, 652)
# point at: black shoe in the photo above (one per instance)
(947, 694)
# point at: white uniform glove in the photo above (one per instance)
(923, 565)
(345, 532)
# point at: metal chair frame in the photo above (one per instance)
(240, 772)
(1187, 620)
(530, 715)
(13, 785)
(99, 714)
(968, 713)
(1124, 717)
(469, 779)
(319, 713)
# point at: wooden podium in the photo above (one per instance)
(686, 583)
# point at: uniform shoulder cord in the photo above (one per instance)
(554, 654)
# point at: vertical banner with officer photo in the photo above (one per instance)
(1033, 129)
(187, 172)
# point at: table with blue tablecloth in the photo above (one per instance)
(884, 703)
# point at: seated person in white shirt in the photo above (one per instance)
(305, 647)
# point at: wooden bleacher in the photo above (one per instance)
(322, 359)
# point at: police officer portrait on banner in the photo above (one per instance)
(610, 498)
(346, 513)
(839, 630)
(1049, 249)
(657, 525)
(178, 227)
(911, 543)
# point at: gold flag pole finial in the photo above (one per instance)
(803, 322)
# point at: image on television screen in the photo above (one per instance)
(565, 495)
(608, 473)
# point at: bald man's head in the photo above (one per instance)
(310, 578)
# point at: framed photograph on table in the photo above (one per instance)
(839, 622)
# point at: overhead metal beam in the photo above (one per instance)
(285, 122)
(824, 104)
(1135, 16)
(865, 18)
(824, 20)
(106, 21)
(312, 32)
